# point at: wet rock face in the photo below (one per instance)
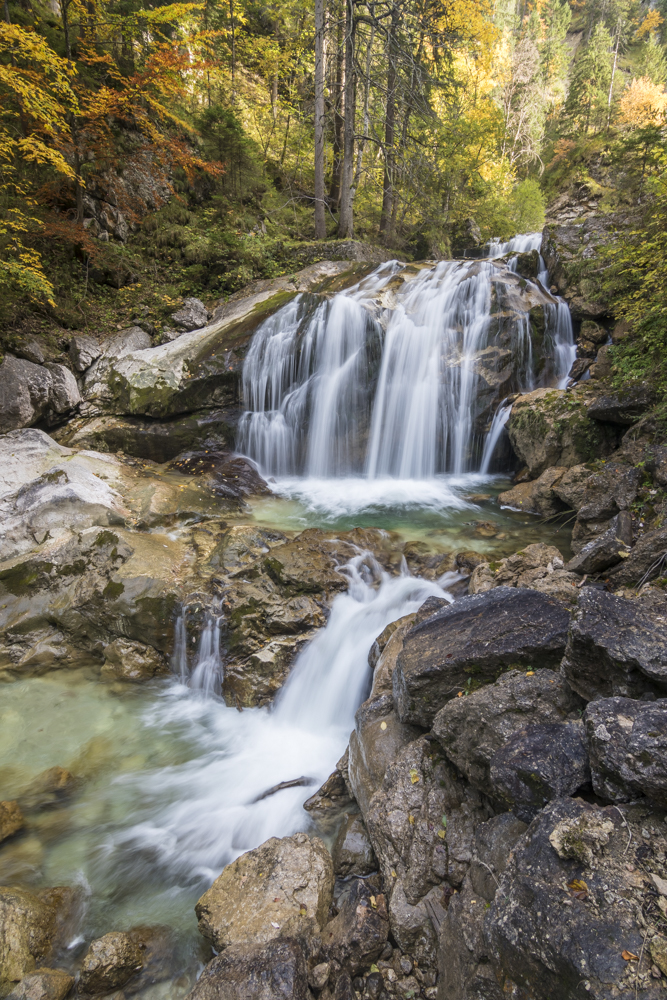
(477, 637)
(352, 851)
(329, 802)
(473, 729)
(270, 892)
(537, 496)
(11, 819)
(538, 566)
(624, 407)
(606, 550)
(45, 984)
(275, 970)
(27, 928)
(377, 739)
(616, 647)
(537, 765)
(627, 741)
(357, 935)
(564, 913)
(109, 963)
(132, 661)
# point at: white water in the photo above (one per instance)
(382, 381)
(201, 815)
(523, 243)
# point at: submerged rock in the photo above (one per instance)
(627, 741)
(132, 661)
(616, 647)
(274, 970)
(472, 642)
(11, 820)
(472, 729)
(270, 892)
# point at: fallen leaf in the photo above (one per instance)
(629, 956)
(530, 673)
(302, 912)
(460, 694)
(414, 776)
(411, 820)
(374, 968)
(578, 888)
(442, 834)
(374, 903)
(383, 725)
(393, 874)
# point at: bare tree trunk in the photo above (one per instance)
(367, 121)
(389, 130)
(334, 190)
(320, 221)
(345, 219)
(7, 18)
(64, 13)
(233, 27)
(274, 98)
(613, 72)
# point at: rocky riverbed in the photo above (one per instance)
(496, 823)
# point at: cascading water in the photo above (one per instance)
(207, 673)
(398, 376)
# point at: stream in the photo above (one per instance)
(357, 416)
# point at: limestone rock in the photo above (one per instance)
(378, 737)
(109, 963)
(25, 391)
(645, 443)
(27, 927)
(83, 350)
(616, 647)
(538, 566)
(605, 550)
(628, 748)
(358, 933)
(645, 561)
(477, 637)
(244, 544)
(352, 851)
(192, 315)
(31, 350)
(241, 904)
(11, 819)
(274, 970)
(546, 937)
(64, 394)
(598, 498)
(125, 660)
(537, 765)
(45, 984)
(549, 427)
(624, 407)
(330, 801)
(537, 496)
(309, 564)
(472, 729)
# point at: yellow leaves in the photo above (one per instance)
(411, 820)
(373, 902)
(651, 22)
(383, 725)
(629, 956)
(642, 103)
(33, 150)
(414, 776)
(442, 834)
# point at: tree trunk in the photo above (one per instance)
(345, 219)
(613, 72)
(367, 120)
(334, 190)
(389, 131)
(7, 18)
(233, 30)
(64, 13)
(320, 221)
(274, 98)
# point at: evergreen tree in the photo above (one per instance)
(652, 60)
(587, 100)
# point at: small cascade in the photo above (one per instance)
(523, 243)
(501, 417)
(207, 672)
(397, 376)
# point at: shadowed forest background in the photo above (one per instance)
(149, 151)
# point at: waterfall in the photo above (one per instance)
(500, 418)
(396, 376)
(193, 818)
(207, 672)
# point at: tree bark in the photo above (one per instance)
(320, 220)
(7, 18)
(233, 29)
(389, 131)
(345, 218)
(334, 189)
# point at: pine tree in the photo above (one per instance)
(587, 99)
(652, 60)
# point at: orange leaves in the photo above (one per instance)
(642, 103)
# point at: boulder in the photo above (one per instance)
(274, 970)
(421, 822)
(357, 935)
(109, 963)
(472, 729)
(64, 395)
(27, 928)
(331, 800)
(598, 498)
(30, 349)
(645, 444)
(25, 391)
(309, 564)
(244, 544)
(627, 742)
(538, 567)
(616, 647)
(49, 788)
(646, 560)
(125, 660)
(549, 427)
(605, 550)
(192, 315)
(352, 851)
(624, 407)
(269, 892)
(564, 917)
(11, 820)
(472, 642)
(83, 350)
(537, 765)
(45, 984)
(536, 496)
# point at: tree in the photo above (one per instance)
(587, 99)
(320, 222)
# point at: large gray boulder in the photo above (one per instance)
(275, 970)
(598, 497)
(272, 891)
(607, 549)
(358, 933)
(192, 315)
(25, 390)
(627, 741)
(616, 646)
(64, 395)
(83, 350)
(474, 728)
(377, 739)
(625, 406)
(471, 643)
(646, 561)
